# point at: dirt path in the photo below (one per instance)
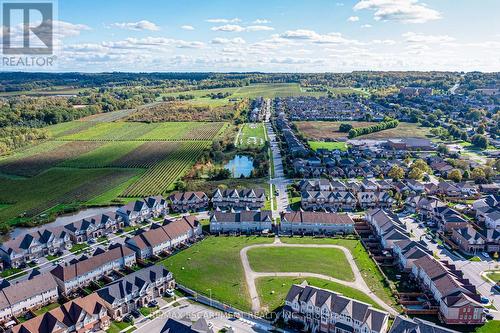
(358, 283)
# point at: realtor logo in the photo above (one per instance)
(27, 28)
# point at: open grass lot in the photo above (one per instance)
(56, 90)
(323, 130)
(366, 265)
(215, 264)
(273, 290)
(331, 262)
(252, 136)
(329, 130)
(315, 145)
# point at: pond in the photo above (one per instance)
(240, 165)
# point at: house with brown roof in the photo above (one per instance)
(188, 201)
(86, 314)
(316, 223)
(26, 295)
(34, 245)
(321, 310)
(250, 221)
(161, 238)
(82, 272)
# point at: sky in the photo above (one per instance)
(277, 35)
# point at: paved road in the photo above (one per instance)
(358, 283)
(278, 179)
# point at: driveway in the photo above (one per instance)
(358, 283)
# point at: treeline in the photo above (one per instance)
(16, 137)
(354, 132)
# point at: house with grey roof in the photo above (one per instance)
(321, 310)
(34, 245)
(94, 226)
(136, 290)
(251, 221)
(185, 325)
(416, 325)
(244, 199)
(188, 201)
(468, 239)
(18, 298)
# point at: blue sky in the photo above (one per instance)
(278, 35)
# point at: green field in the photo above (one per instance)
(268, 90)
(102, 156)
(495, 276)
(252, 136)
(492, 326)
(273, 290)
(330, 145)
(366, 265)
(327, 261)
(213, 266)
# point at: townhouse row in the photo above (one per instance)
(459, 302)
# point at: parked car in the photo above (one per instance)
(485, 254)
(169, 292)
(153, 303)
(135, 313)
(91, 241)
(484, 300)
(489, 316)
(128, 318)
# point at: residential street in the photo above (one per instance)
(472, 270)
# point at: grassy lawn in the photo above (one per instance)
(495, 276)
(273, 290)
(118, 326)
(46, 308)
(331, 262)
(10, 271)
(214, 266)
(366, 265)
(79, 247)
(252, 136)
(146, 311)
(492, 326)
(315, 145)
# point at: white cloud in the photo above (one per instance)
(261, 21)
(259, 28)
(223, 20)
(239, 28)
(384, 42)
(364, 26)
(187, 27)
(309, 35)
(138, 26)
(353, 19)
(408, 11)
(237, 40)
(229, 28)
(412, 37)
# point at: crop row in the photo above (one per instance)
(161, 176)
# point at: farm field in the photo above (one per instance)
(161, 176)
(214, 264)
(31, 196)
(57, 90)
(269, 90)
(273, 290)
(329, 130)
(330, 145)
(366, 265)
(327, 261)
(98, 162)
(252, 136)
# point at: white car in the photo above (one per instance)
(485, 254)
